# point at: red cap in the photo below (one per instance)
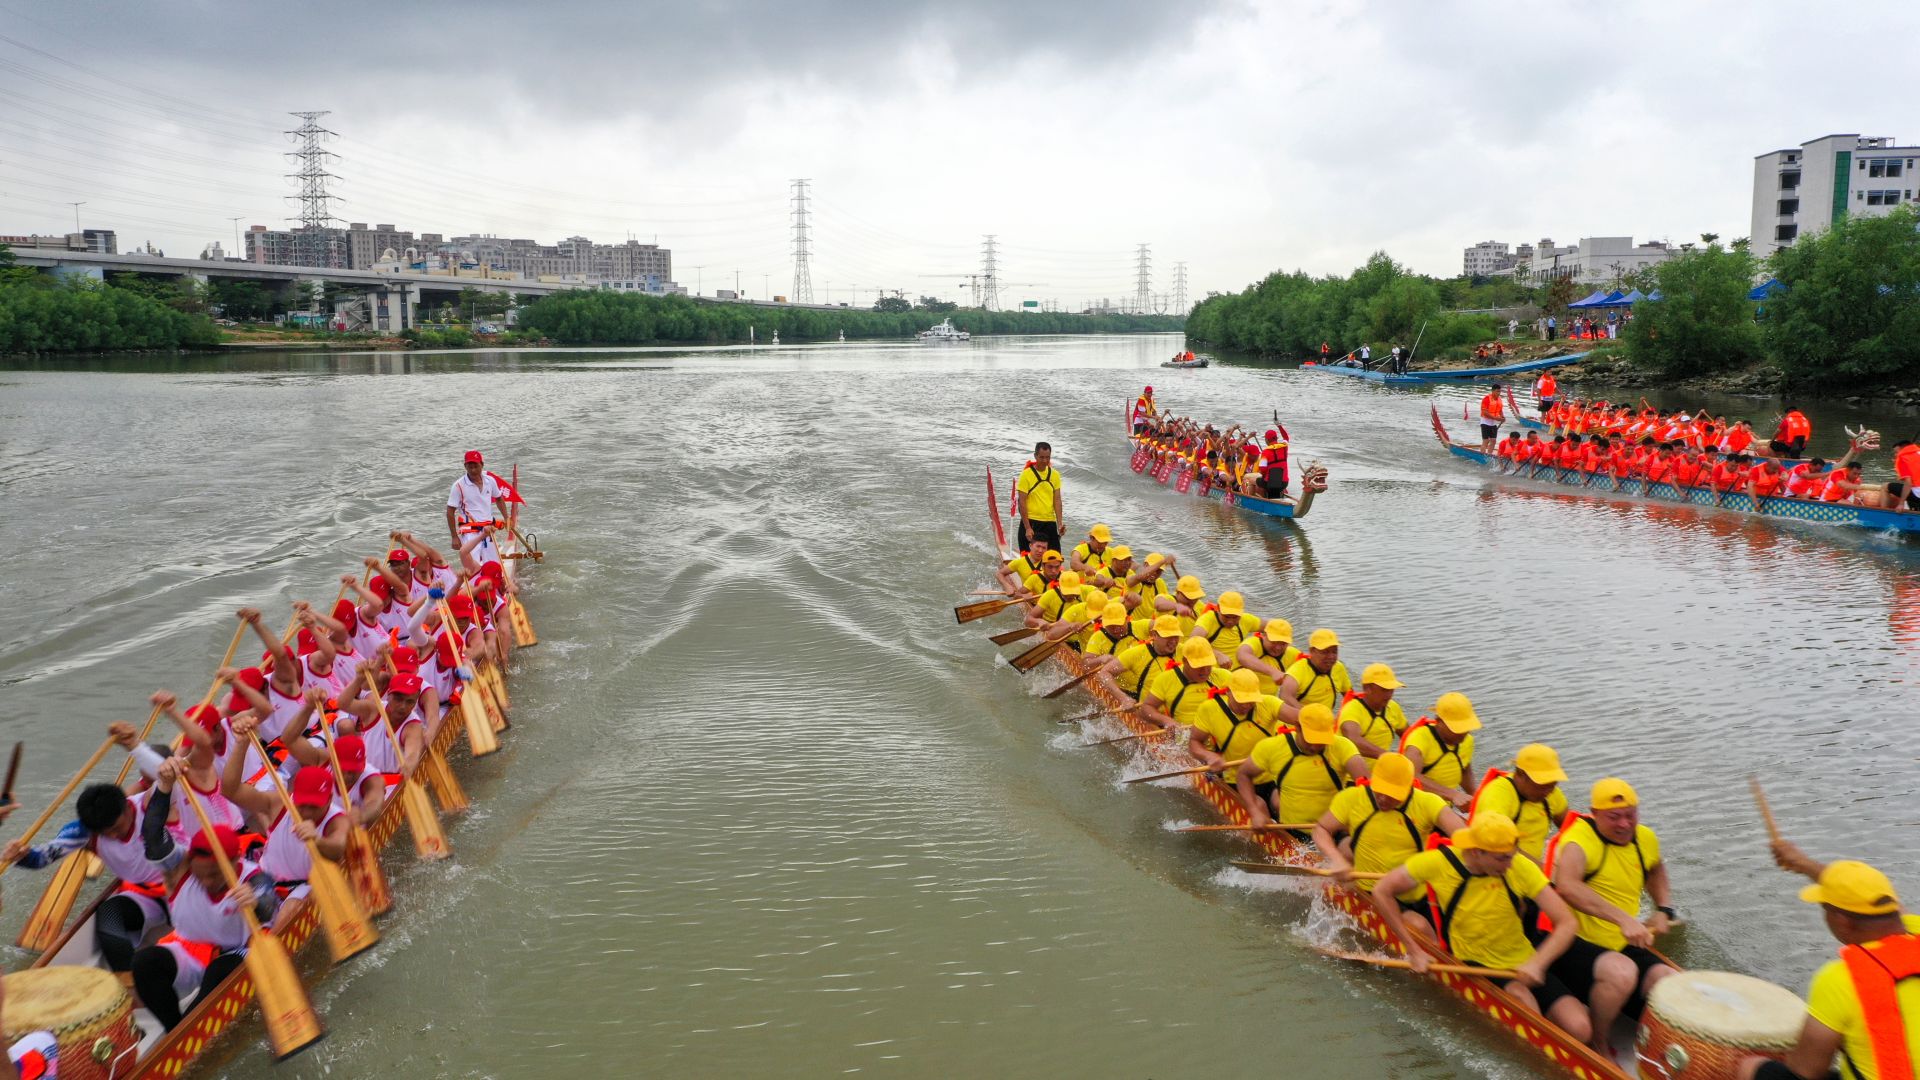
(352, 752)
(307, 644)
(379, 587)
(474, 456)
(312, 786)
(405, 659)
(407, 682)
(492, 569)
(1149, 389)
(223, 835)
(210, 721)
(400, 555)
(253, 677)
(346, 615)
(461, 605)
(1272, 434)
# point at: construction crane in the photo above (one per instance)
(973, 286)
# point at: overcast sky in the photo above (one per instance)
(1238, 138)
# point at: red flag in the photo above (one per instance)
(507, 490)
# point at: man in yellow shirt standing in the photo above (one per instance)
(1865, 1006)
(1318, 678)
(1298, 773)
(1378, 827)
(1479, 885)
(1042, 503)
(1602, 862)
(1371, 718)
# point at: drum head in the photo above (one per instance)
(61, 998)
(1729, 1009)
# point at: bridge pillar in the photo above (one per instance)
(390, 305)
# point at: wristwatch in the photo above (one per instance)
(1667, 911)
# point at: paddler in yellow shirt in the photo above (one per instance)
(1113, 575)
(1023, 566)
(1225, 625)
(1480, 887)
(1234, 719)
(1318, 678)
(1441, 749)
(1054, 599)
(1180, 688)
(1530, 796)
(1298, 772)
(1131, 670)
(1078, 618)
(1371, 718)
(1601, 863)
(1112, 635)
(1051, 565)
(1188, 599)
(1269, 654)
(1377, 826)
(1090, 555)
(1864, 1008)
(1146, 584)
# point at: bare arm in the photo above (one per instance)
(1570, 867)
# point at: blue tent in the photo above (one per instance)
(1613, 299)
(1594, 299)
(1765, 289)
(1655, 295)
(1633, 297)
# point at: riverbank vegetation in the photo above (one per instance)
(584, 317)
(39, 313)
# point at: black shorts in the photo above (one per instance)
(1550, 990)
(1575, 966)
(1139, 427)
(1546, 403)
(1044, 530)
(1774, 1070)
(1489, 431)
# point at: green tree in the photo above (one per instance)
(1559, 295)
(1850, 309)
(1703, 321)
(894, 304)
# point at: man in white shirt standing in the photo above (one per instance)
(475, 496)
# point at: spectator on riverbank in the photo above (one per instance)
(1552, 327)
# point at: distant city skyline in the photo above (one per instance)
(1235, 138)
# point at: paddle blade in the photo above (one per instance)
(349, 932)
(429, 841)
(292, 1025)
(496, 684)
(1037, 655)
(522, 626)
(967, 613)
(453, 797)
(481, 740)
(49, 917)
(1008, 637)
(364, 871)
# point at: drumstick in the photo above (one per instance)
(1766, 812)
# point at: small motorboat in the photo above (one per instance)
(944, 332)
(1199, 361)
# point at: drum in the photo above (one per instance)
(1699, 1025)
(86, 1010)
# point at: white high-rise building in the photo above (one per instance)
(1800, 192)
(1486, 257)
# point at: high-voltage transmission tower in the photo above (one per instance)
(1179, 288)
(1143, 282)
(802, 246)
(989, 293)
(314, 245)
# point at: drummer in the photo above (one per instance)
(1864, 1007)
(1601, 862)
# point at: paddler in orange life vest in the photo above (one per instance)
(1601, 863)
(1790, 438)
(1441, 748)
(1492, 415)
(1371, 718)
(1273, 468)
(1530, 795)
(1144, 410)
(1863, 1008)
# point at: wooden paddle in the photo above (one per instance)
(362, 861)
(292, 1025)
(1128, 738)
(348, 931)
(1235, 763)
(474, 706)
(989, 592)
(1269, 827)
(432, 766)
(980, 609)
(1098, 713)
(1008, 637)
(53, 807)
(429, 840)
(1051, 694)
(1498, 974)
(1766, 811)
(1037, 655)
(1309, 871)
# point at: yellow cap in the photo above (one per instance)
(1489, 832)
(1380, 675)
(1070, 582)
(1101, 533)
(1118, 552)
(1323, 639)
(1245, 686)
(1455, 711)
(1114, 614)
(1540, 763)
(1092, 595)
(1612, 794)
(1189, 587)
(1392, 775)
(1853, 887)
(1232, 604)
(1154, 558)
(1316, 724)
(1167, 626)
(1052, 556)
(1278, 630)
(1197, 653)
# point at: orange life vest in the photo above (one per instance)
(1491, 409)
(1877, 969)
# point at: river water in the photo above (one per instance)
(767, 810)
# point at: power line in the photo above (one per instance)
(1143, 282)
(316, 245)
(989, 276)
(802, 272)
(1179, 288)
